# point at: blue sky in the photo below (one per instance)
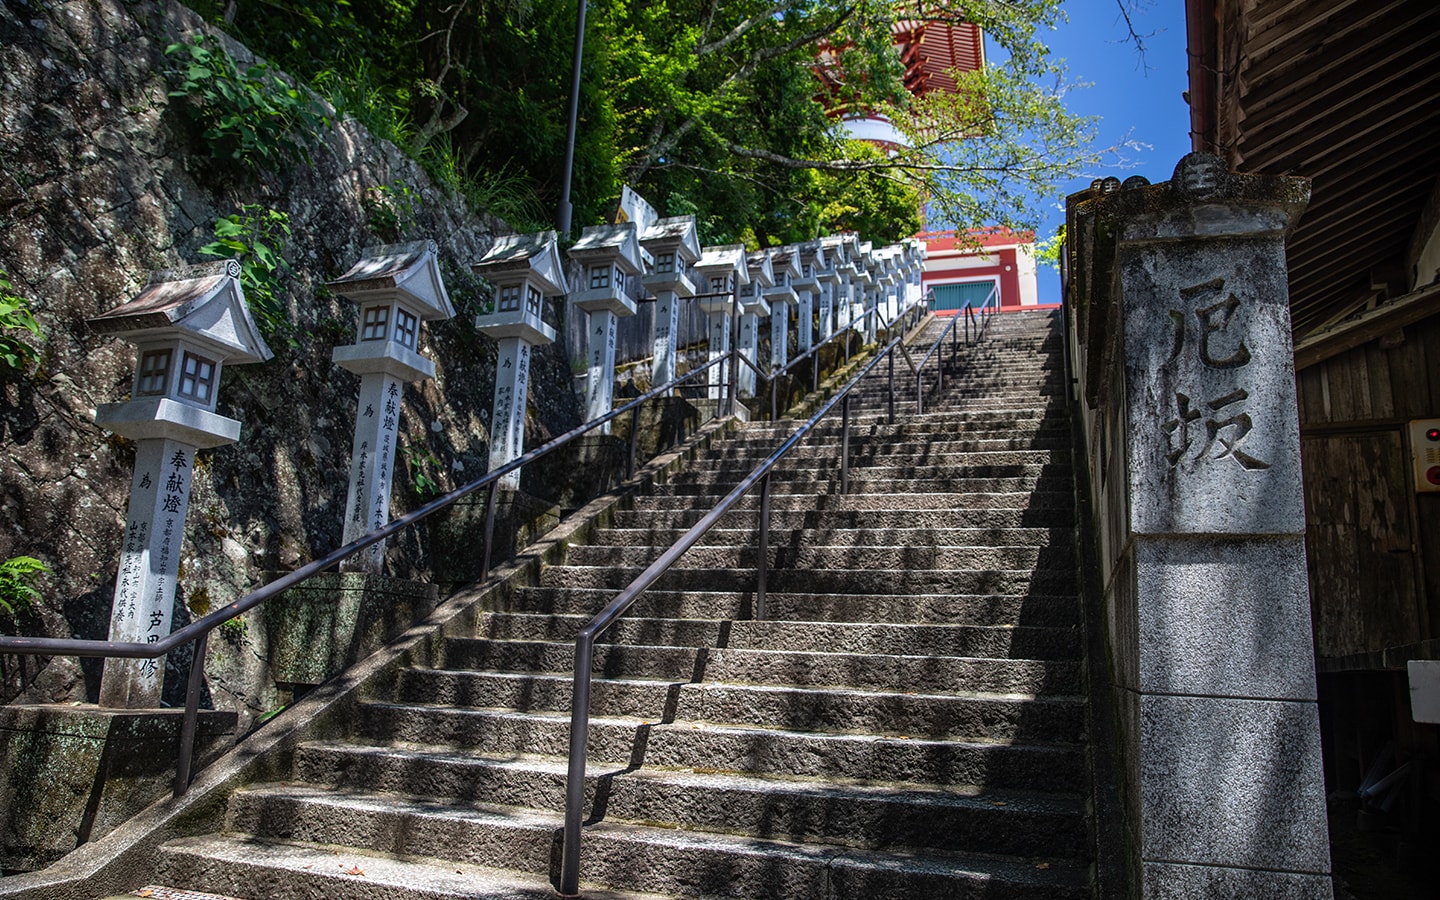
(1138, 102)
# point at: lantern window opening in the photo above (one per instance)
(664, 263)
(375, 323)
(509, 299)
(197, 378)
(619, 279)
(153, 373)
(809, 271)
(599, 277)
(407, 328)
(720, 284)
(533, 299)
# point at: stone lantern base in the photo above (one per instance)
(71, 774)
(319, 628)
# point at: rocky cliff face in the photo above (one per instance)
(103, 181)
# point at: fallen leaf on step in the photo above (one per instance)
(146, 893)
(998, 803)
(1042, 865)
(355, 870)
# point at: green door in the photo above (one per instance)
(952, 297)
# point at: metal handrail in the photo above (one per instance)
(199, 630)
(585, 642)
(774, 377)
(954, 349)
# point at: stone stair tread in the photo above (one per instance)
(246, 863)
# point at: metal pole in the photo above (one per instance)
(734, 358)
(489, 530)
(774, 382)
(762, 565)
(892, 387)
(845, 445)
(562, 215)
(634, 440)
(192, 712)
(575, 779)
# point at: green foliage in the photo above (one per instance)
(16, 575)
(234, 630)
(15, 313)
(254, 117)
(422, 466)
(1049, 251)
(256, 236)
(391, 209)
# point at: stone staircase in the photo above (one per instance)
(907, 722)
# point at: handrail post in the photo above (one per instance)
(774, 384)
(762, 563)
(634, 442)
(891, 400)
(575, 776)
(489, 529)
(186, 755)
(845, 444)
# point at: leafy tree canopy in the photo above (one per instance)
(705, 107)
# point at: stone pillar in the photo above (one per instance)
(507, 424)
(600, 383)
(872, 311)
(667, 326)
(780, 334)
(749, 348)
(828, 291)
(804, 322)
(372, 468)
(149, 566)
(1189, 366)
(719, 323)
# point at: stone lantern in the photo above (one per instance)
(396, 286)
(785, 261)
(753, 305)
(525, 269)
(832, 281)
(674, 247)
(186, 325)
(862, 281)
(915, 255)
(723, 271)
(807, 288)
(612, 260)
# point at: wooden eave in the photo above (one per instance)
(1342, 92)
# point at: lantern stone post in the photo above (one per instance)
(397, 287)
(612, 260)
(785, 262)
(807, 289)
(724, 271)
(524, 269)
(186, 325)
(753, 305)
(674, 247)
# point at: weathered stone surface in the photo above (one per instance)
(319, 628)
(1210, 627)
(1232, 783)
(102, 183)
(70, 774)
(1166, 881)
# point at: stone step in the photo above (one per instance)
(676, 665)
(945, 715)
(689, 862)
(732, 471)
(259, 868)
(848, 581)
(868, 454)
(747, 518)
(479, 826)
(862, 480)
(827, 553)
(1023, 764)
(1015, 642)
(872, 502)
(937, 609)
(662, 536)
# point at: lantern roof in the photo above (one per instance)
(786, 260)
(812, 252)
(203, 303)
(725, 259)
(678, 232)
(761, 272)
(619, 242)
(411, 270)
(536, 256)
